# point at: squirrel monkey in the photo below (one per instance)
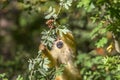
(62, 52)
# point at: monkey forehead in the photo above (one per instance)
(58, 41)
(58, 44)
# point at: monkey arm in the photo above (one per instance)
(46, 53)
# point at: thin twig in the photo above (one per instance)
(60, 8)
(31, 73)
(58, 12)
(47, 36)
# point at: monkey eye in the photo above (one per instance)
(59, 44)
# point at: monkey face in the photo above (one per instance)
(59, 44)
(61, 52)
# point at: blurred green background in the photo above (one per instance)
(21, 22)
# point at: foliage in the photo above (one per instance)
(3, 77)
(39, 66)
(98, 67)
(23, 21)
(106, 15)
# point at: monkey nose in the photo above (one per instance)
(59, 44)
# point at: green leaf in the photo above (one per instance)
(66, 3)
(19, 78)
(62, 30)
(84, 3)
(50, 13)
(101, 42)
(22, 21)
(2, 75)
(60, 70)
(96, 30)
